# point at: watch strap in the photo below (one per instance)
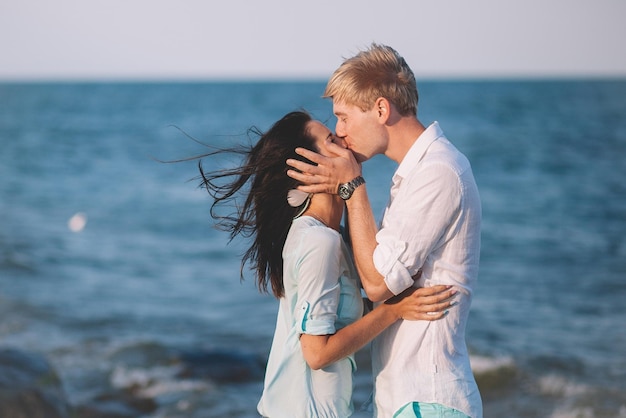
(356, 182)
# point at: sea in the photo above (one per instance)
(112, 268)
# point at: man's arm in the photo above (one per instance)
(325, 178)
(363, 231)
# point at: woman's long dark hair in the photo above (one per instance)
(265, 215)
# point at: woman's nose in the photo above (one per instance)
(340, 141)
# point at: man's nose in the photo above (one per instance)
(339, 131)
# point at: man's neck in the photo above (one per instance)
(402, 136)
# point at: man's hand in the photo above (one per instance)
(329, 172)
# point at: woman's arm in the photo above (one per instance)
(428, 303)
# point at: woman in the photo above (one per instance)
(297, 249)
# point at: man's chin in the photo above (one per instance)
(360, 157)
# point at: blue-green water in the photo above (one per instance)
(147, 271)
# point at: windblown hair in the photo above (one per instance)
(262, 183)
(375, 72)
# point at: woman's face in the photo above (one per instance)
(320, 132)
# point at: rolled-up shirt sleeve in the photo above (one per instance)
(318, 274)
(387, 261)
(412, 229)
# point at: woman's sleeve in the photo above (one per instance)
(317, 273)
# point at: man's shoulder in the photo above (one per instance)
(445, 153)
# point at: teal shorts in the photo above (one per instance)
(427, 410)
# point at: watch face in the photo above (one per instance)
(344, 191)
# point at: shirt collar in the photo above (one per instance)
(417, 150)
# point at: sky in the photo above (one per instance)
(291, 39)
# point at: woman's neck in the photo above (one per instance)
(327, 209)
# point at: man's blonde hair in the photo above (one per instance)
(378, 71)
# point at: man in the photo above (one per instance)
(430, 230)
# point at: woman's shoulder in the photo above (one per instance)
(311, 232)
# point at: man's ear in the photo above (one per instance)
(383, 109)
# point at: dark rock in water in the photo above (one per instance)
(142, 354)
(218, 366)
(30, 387)
(221, 366)
(116, 405)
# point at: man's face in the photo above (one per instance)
(360, 130)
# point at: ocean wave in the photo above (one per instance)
(155, 381)
(494, 373)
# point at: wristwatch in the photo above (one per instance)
(345, 190)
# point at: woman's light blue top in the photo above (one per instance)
(321, 297)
